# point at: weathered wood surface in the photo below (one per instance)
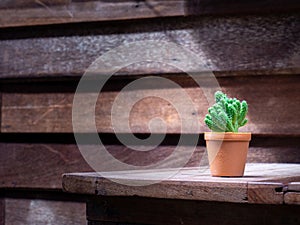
(294, 186)
(108, 223)
(292, 195)
(2, 211)
(27, 13)
(177, 212)
(292, 198)
(52, 112)
(260, 43)
(265, 192)
(189, 183)
(40, 165)
(35, 211)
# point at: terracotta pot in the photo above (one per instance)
(227, 153)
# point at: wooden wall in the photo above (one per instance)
(253, 47)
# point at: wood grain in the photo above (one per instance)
(256, 186)
(292, 198)
(2, 211)
(38, 165)
(265, 193)
(177, 212)
(260, 43)
(28, 13)
(52, 112)
(35, 211)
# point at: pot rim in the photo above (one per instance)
(227, 136)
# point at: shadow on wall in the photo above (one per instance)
(249, 42)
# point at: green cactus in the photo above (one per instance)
(227, 114)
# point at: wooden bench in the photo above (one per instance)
(251, 46)
(267, 192)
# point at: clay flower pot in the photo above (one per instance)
(227, 153)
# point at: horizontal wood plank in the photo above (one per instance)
(257, 185)
(177, 212)
(292, 198)
(2, 211)
(294, 186)
(40, 165)
(28, 13)
(260, 43)
(265, 193)
(35, 211)
(52, 112)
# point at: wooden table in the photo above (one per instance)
(267, 194)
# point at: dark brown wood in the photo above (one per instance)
(52, 112)
(2, 211)
(259, 184)
(38, 165)
(175, 212)
(27, 165)
(269, 43)
(34, 211)
(200, 7)
(28, 13)
(108, 223)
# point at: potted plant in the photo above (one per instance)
(227, 148)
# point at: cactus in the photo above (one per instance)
(227, 114)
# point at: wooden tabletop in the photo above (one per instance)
(262, 184)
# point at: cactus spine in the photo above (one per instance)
(227, 114)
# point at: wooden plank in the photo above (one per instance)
(177, 212)
(108, 223)
(270, 43)
(38, 165)
(294, 186)
(2, 211)
(35, 211)
(188, 183)
(292, 198)
(265, 193)
(52, 112)
(28, 13)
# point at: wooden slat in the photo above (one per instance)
(292, 198)
(256, 186)
(177, 212)
(294, 186)
(265, 193)
(52, 112)
(38, 165)
(2, 211)
(27, 211)
(28, 13)
(268, 43)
